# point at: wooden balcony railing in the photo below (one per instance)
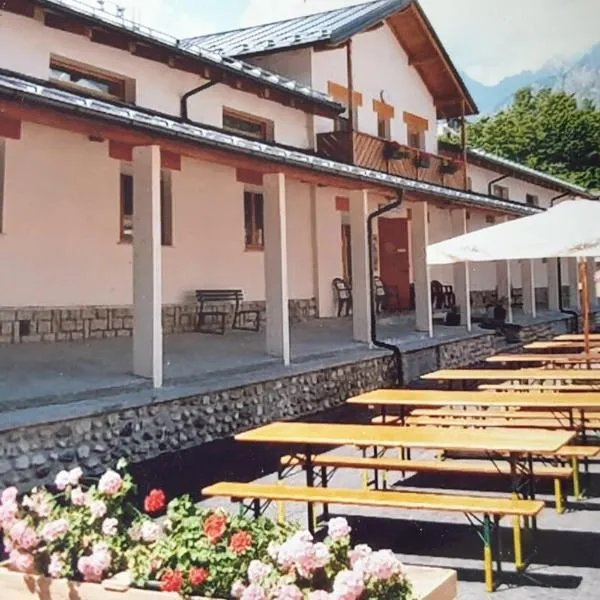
(372, 152)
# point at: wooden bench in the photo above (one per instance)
(214, 320)
(386, 464)
(511, 413)
(488, 510)
(524, 387)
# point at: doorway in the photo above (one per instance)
(394, 261)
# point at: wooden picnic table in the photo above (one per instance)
(526, 358)
(576, 337)
(519, 445)
(561, 346)
(513, 374)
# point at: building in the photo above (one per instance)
(253, 159)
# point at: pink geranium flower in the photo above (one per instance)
(257, 571)
(55, 530)
(97, 508)
(348, 585)
(290, 592)
(338, 529)
(9, 495)
(62, 480)
(78, 497)
(254, 592)
(56, 566)
(22, 561)
(110, 483)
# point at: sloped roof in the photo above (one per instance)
(512, 168)
(328, 29)
(229, 68)
(22, 91)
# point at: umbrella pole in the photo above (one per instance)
(585, 303)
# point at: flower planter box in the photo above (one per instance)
(428, 583)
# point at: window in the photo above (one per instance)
(166, 208)
(383, 128)
(83, 77)
(532, 200)
(248, 125)
(416, 139)
(254, 220)
(500, 191)
(469, 184)
(490, 219)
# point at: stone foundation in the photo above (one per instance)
(39, 324)
(32, 455)
(480, 299)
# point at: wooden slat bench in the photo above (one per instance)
(382, 463)
(484, 420)
(248, 320)
(509, 414)
(524, 387)
(486, 510)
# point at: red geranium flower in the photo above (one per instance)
(198, 576)
(240, 542)
(155, 501)
(171, 581)
(214, 527)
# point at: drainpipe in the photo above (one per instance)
(493, 181)
(562, 309)
(183, 103)
(378, 343)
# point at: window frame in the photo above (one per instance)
(126, 84)
(267, 126)
(166, 206)
(411, 131)
(257, 236)
(384, 128)
(500, 191)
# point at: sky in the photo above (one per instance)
(489, 39)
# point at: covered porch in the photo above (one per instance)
(39, 379)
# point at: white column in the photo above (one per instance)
(276, 268)
(591, 270)
(553, 287)
(573, 275)
(504, 282)
(361, 287)
(147, 265)
(462, 287)
(326, 252)
(419, 239)
(528, 282)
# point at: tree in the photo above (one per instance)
(547, 131)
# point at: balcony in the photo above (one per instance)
(380, 155)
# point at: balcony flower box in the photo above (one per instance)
(428, 584)
(449, 167)
(394, 151)
(422, 161)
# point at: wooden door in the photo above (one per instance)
(394, 257)
(346, 253)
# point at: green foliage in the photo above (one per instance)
(548, 131)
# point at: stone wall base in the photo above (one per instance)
(480, 299)
(56, 324)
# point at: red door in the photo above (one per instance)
(393, 257)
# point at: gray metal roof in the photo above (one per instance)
(22, 90)
(519, 168)
(205, 54)
(332, 26)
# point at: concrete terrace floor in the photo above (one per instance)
(566, 563)
(99, 371)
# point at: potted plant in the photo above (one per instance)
(87, 539)
(394, 151)
(422, 161)
(449, 167)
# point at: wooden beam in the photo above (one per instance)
(417, 62)
(66, 120)
(39, 14)
(384, 110)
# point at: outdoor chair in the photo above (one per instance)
(212, 312)
(343, 296)
(386, 296)
(442, 296)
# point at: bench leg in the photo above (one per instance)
(558, 496)
(518, 543)
(576, 478)
(488, 554)
(280, 503)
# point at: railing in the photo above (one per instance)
(380, 155)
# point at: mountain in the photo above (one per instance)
(580, 76)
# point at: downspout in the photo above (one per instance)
(562, 309)
(183, 103)
(493, 181)
(378, 343)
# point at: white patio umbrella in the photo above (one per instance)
(569, 229)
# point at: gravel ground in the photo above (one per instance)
(566, 563)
